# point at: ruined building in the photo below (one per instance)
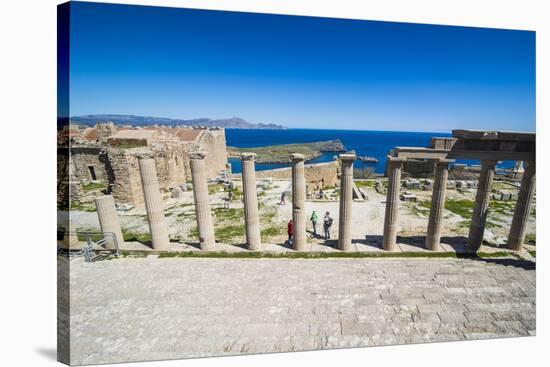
(108, 155)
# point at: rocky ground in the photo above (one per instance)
(131, 309)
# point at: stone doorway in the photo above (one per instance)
(93, 176)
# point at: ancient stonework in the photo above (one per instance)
(298, 203)
(322, 174)
(107, 154)
(438, 204)
(109, 222)
(250, 198)
(153, 204)
(395, 165)
(346, 200)
(203, 213)
(143, 166)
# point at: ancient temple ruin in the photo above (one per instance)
(489, 147)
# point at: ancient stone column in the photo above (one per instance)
(523, 208)
(251, 215)
(481, 205)
(437, 205)
(395, 165)
(108, 221)
(346, 200)
(298, 202)
(203, 213)
(153, 204)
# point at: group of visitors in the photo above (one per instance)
(314, 218)
(327, 224)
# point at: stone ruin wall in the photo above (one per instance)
(171, 166)
(418, 168)
(314, 173)
(213, 143)
(326, 172)
(118, 167)
(126, 186)
(73, 172)
(62, 178)
(83, 158)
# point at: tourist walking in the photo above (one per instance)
(227, 200)
(283, 198)
(314, 218)
(290, 230)
(327, 223)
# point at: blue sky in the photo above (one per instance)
(301, 72)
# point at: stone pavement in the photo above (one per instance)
(162, 308)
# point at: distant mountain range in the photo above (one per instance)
(233, 122)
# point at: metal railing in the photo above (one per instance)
(91, 249)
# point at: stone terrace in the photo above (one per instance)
(163, 308)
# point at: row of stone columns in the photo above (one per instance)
(516, 237)
(159, 232)
(154, 206)
(395, 166)
(299, 195)
(479, 217)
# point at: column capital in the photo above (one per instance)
(249, 156)
(143, 156)
(296, 157)
(443, 161)
(197, 155)
(105, 199)
(395, 161)
(347, 157)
